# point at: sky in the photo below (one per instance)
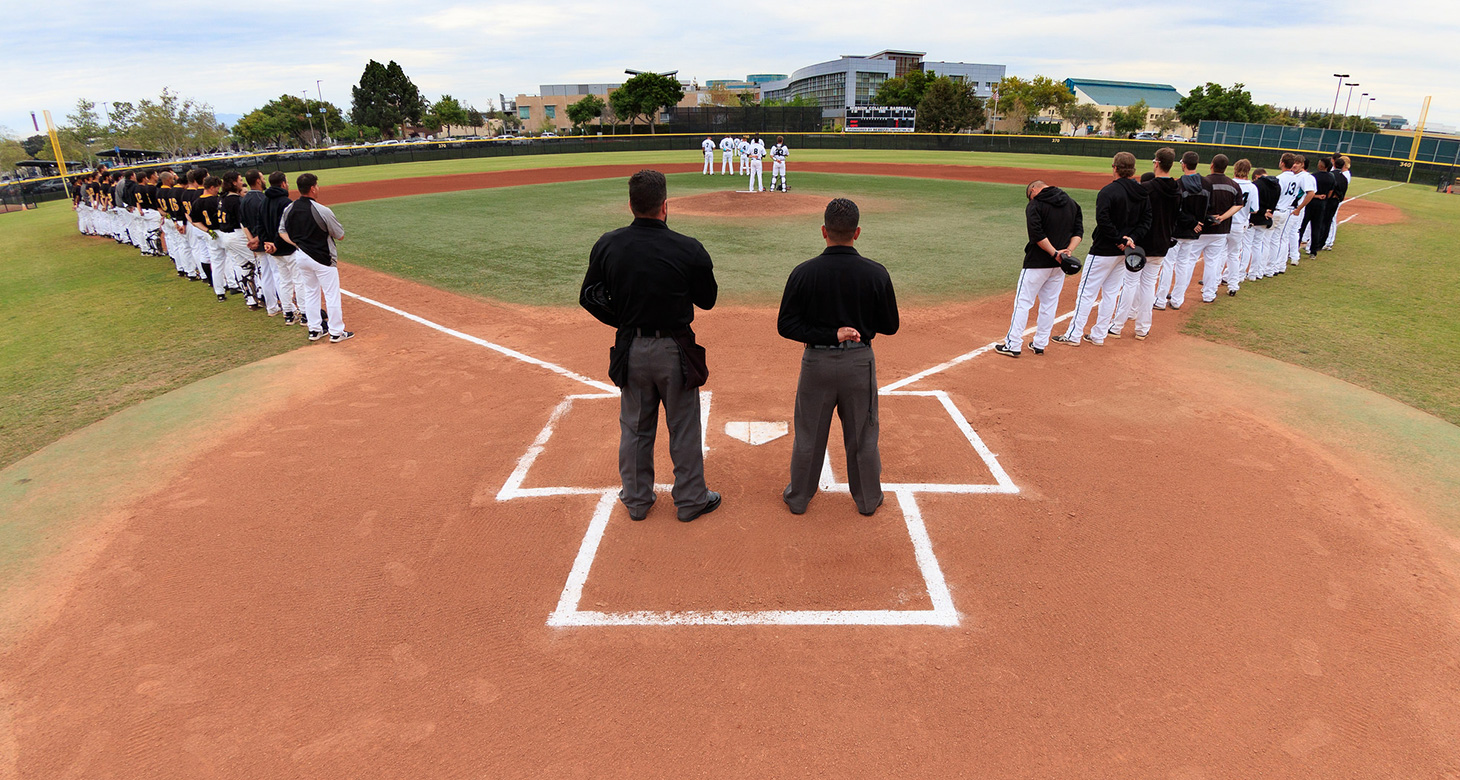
(1286, 53)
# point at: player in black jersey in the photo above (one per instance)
(238, 264)
(204, 214)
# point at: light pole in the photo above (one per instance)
(1348, 99)
(1336, 90)
(324, 115)
(307, 114)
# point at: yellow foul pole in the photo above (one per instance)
(56, 148)
(1419, 132)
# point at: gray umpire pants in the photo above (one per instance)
(844, 381)
(655, 376)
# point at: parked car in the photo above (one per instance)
(1175, 137)
(1145, 136)
(549, 135)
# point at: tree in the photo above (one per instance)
(1131, 119)
(12, 152)
(1165, 121)
(1019, 100)
(34, 144)
(906, 91)
(585, 110)
(799, 100)
(748, 98)
(644, 95)
(475, 118)
(949, 106)
(122, 118)
(1080, 115)
(385, 98)
(450, 111)
(283, 120)
(1217, 103)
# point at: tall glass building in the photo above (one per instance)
(852, 81)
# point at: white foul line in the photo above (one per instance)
(1372, 192)
(511, 353)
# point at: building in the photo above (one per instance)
(761, 78)
(549, 108)
(1112, 96)
(852, 81)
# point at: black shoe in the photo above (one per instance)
(1037, 350)
(710, 506)
(222, 297)
(1003, 350)
(349, 334)
(874, 509)
(637, 518)
(288, 318)
(1063, 339)
(183, 274)
(1231, 293)
(316, 335)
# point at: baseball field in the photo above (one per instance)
(1230, 550)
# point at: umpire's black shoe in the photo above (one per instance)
(1003, 350)
(873, 511)
(710, 506)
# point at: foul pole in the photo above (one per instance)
(60, 158)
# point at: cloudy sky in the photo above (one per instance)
(1284, 52)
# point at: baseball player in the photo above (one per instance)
(1056, 227)
(251, 219)
(313, 228)
(1224, 202)
(757, 169)
(1259, 235)
(835, 304)
(1291, 195)
(1239, 241)
(1138, 289)
(233, 240)
(727, 152)
(1194, 194)
(779, 152)
(1122, 218)
(1309, 187)
(286, 257)
(1315, 218)
(709, 146)
(742, 154)
(204, 215)
(1342, 177)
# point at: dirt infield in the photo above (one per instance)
(1182, 587)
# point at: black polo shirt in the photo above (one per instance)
(838, 288)
(654, 276)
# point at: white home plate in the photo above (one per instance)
(755, 432)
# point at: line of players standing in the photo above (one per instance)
(1150, 235)
(212, 228)
(749, 151)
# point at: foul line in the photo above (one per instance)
(1373, 192)
(964, 358)
(509, 352)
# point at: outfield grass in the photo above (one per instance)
(692, 154)
(940, 239)
(90, 328)
(1378, 311)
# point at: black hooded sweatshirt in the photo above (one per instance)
(1165, 200)
(1053, 215)
(277, 199)
(1121, 209)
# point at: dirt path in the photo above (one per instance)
(1182, 588)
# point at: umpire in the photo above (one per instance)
(646, 280)
(835, 304)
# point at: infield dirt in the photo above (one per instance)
(1183, 587)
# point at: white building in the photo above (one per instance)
(852, 81)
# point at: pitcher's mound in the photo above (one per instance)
(748, 204)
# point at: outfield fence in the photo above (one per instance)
(13, 197)
(1373, 167)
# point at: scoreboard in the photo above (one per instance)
(881, 119)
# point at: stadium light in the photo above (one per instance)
(1348, 99)
(323, 115)
(1338, 89)
(308, 115)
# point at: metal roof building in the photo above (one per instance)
(1124, 93)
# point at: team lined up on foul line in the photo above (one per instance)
(748, 151)
(1149, 236)
(276, 252)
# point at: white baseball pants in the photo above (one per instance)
(1101, 277)
(1212, 248)
(320, 281)
(1166, 285)
(1253, 242)
(1277, 250)
(778, 170)
(709, 163)
(757, 172)
(1044, 285)
(290, 281)
(725, 160)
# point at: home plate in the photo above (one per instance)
(755, 432)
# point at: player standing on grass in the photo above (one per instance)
(646, 280)
(1342, 177)
(1055, 226)
(1224, 201)
(708, 145)
(727, 154)
(835, 304)
(1122, 218)
(1193, 195)
(286, 258)
(204, 215)
(779, 153)
(310, 226)
(251, 217)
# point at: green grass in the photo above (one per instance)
(88, 327)
(940, 239)
(692, 154)
(1378, 311)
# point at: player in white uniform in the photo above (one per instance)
(1238, 243)
(779, 152)
(757, 171)
(727, 151)
(742, 153)
(709, 146)
(1309, 187)
(1276, 257)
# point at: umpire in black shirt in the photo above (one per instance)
(646, 280)
(835, 304)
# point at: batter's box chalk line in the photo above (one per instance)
(568, 614)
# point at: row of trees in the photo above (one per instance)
(170, 123)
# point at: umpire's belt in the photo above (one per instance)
(649, 333)
(843, 345)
